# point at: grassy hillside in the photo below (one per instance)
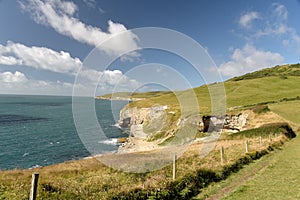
(134, 95)
(238, 93)
(281, 71)
(267, 85)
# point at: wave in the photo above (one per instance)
(35, 166)
(117, 125)
(111, 141)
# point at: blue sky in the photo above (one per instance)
(43, 44)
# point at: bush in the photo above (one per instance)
(265, 131)
(260, 109)
(283, 127)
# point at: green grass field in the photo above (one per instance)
(288, 110)
(275, 176)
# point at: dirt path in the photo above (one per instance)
(275, 176)
(247, 176)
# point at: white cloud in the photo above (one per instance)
(246, 19)
(17, 54)
(9, 60)
(60, 16)
(39, 58)
(17, 83)
(8, 77)
(271, 24)
(280, 11)
(249, 59)
(108, 80)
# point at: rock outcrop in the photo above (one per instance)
(136, 118)
(230, 123)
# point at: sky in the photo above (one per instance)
(48, 46)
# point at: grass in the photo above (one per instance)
(280, 180)
(89, 179)
(280, 71)
(265, 131)
(134, 94)
(275, 176)
(289, 110)
(238, 94)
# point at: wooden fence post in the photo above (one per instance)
(247, 143)
(222, 155)
(260, 141)
(34, 184)
(174, 167)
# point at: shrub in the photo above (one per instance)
(260, 109)
(265, 131)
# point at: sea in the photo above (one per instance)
(40, 130)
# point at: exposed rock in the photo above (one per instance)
(227, 122)
(134, 118)
(235, 122)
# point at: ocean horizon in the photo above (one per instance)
(39, 130)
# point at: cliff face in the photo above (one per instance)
(144, 118)
(230, 123)
(144, 122)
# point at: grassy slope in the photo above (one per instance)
(280, 180)
(288, 110)
(134, 95)
(271, 84)
(238, 93)
(275, 176)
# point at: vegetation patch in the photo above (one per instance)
(280, 71)
(260, 109)
(192, 183)
(265, 131)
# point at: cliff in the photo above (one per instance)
(144, 121)
(156, 124)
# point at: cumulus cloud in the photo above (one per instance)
(17, 83)
(39, 58)
(10, 60)
(246, 19)
(16, 54)
(108, 80)
(60, 16)
(9, 77)
(249, 59)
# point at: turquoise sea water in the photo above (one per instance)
(39, 130)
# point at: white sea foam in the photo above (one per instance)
(25, 154)
(111, 141)
(35, 166)
(117, 125)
